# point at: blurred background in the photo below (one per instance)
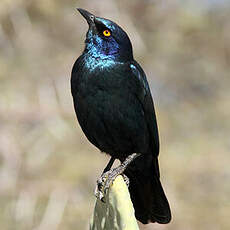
(48, 169)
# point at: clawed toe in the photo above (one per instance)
(107, 178)
(104, 183)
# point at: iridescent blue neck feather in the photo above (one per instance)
(116, 47)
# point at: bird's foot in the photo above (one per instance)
(105, 181)
(107, 178)
(100, 190)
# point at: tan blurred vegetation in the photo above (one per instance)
(47, 167)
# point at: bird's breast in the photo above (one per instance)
(108, 110)
(98, 62)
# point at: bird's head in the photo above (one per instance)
(105, 39)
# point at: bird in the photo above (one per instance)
(115, 109)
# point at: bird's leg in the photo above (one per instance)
(107, 178)
(109, 165)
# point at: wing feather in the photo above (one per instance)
(145, 97)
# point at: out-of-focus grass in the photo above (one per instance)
(47, 167)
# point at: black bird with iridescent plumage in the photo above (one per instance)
(114, 107)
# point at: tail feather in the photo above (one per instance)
(147, 194)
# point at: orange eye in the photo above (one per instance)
(106, 33)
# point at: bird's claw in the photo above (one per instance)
(100, 191)
(105, 181)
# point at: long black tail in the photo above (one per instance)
(147, 194)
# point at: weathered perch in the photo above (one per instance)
(117, 213)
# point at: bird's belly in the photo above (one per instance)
(113, 122)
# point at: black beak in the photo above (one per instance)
(87, 15)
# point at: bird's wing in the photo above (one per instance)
(145, 98)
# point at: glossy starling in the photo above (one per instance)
(115, 109)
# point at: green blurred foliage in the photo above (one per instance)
(47, 167)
